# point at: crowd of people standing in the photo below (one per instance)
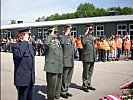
(107, 48)
(7, 43)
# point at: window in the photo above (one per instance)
(40, 31)
(2, 36)
(131, 27)
(99, 30)
(45, 33)
(131, 30)
(5, 34)
(9, 34)
(74, 31)
(121, 29)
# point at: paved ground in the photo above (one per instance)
(107, 78)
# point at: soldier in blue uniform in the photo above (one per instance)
(24, 71)
(88, 58)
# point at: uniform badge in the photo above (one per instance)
(53, 40)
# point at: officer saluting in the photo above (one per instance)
(53, 64)
(24, 71)
(68, 58)
(88, 58)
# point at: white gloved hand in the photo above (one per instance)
(87, 31)
(26, 37)
(52, 33)
(67, 33)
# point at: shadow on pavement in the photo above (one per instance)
(39, 91)
(73, 85)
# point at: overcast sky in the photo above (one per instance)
(30, 10)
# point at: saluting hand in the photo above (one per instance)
(52, 33)
(68, 32)
(26, 37)
(87, 31)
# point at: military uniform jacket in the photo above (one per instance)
(23, 57)
(68, 51)
(88, 53)
(53, 55)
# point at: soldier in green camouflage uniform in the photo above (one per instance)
(68, 58)
(88, 58)
(53, 65)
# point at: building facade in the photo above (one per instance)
(106, 25)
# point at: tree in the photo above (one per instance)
(122, 11)
(100, 12)
(115, 9)
(85, 10)
(40, 19)
(126, 11)
(68, 16)
(53, 17)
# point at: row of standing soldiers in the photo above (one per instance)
(60, 53)
(59, 63)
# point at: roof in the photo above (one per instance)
(103, 19)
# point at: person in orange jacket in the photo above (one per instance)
(132, 48)
(127, 48)
(74, 40)
(113, 48)
(99, 48)
(104, 49)
(79, 46)
(118, 46)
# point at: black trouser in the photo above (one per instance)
(99, 54)
(25, 92)
(108, 55)
(39, 47)
(118, 53)
(80, 53)
(131, 54)
(10, 47)
(75, 53)
(34, 48)
(66, 79)
(88, 68)
(122, 48)
(103, 55)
